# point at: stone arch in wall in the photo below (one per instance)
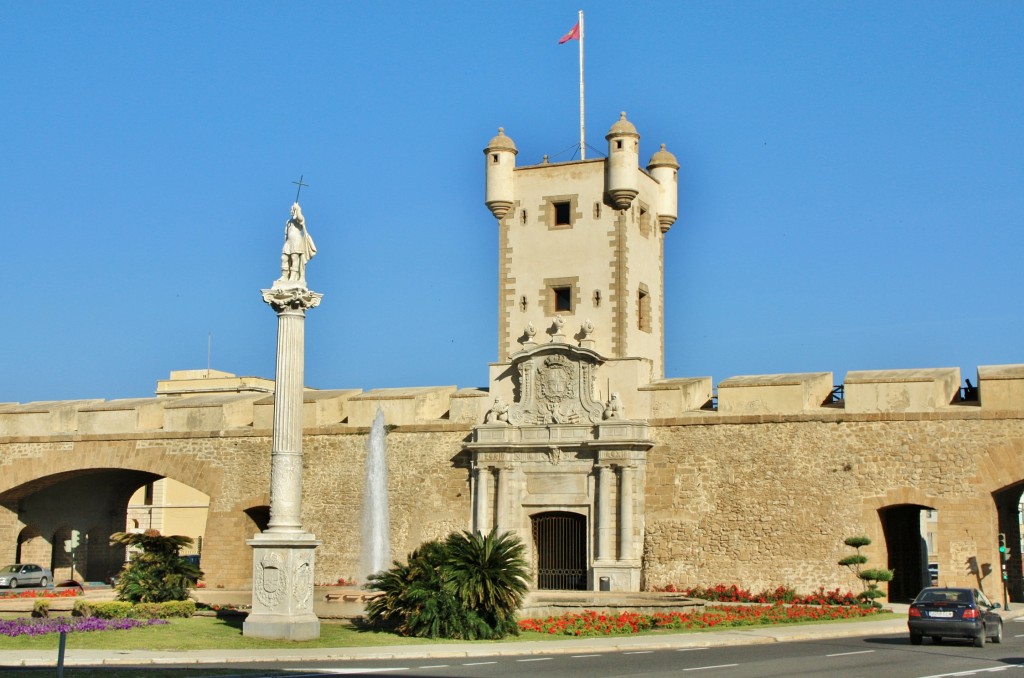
(1008, 511)
(560, 548)
(260, 517)
(32, 547)
(103, 475)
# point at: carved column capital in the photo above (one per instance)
(283, 299)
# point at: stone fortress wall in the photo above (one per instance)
(754, 480)
(760, 491)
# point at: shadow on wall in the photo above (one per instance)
(980, 571)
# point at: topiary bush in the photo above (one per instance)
(468, 586)
(869, 577)
(41, 608)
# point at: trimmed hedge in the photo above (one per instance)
(119, 609)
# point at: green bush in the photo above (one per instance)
(179, 608)
(41, 608)
(172, 608)
(468, 586)
(114, 609)
(159, 573)
(81, 608)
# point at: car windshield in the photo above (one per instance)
(11, 568)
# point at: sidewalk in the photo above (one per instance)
(746, 636)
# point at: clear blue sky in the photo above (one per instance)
(852, 182)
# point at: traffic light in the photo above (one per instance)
(1003, 551)
(76, 537)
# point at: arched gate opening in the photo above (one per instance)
(1008, 510)
(560, 542)
(908, 550)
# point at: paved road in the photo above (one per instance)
(870, 657)
(877, 656)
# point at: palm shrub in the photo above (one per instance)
(159, 573)
(467, 586)
(869, 576)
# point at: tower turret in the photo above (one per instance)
(622, 179)
(501, 161)
(665, 169)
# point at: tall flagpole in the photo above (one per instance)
(583, 140)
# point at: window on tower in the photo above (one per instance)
(560, 295)
(560, 211)
(643, 309)
(563, 213)
(563, 299)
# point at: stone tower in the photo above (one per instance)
(581, 242)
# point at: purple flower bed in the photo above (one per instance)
(39, 627)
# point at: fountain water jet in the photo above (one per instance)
(376, 525)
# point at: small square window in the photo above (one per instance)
(563, 213)
(563, 299)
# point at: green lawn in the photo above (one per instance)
(208, 633)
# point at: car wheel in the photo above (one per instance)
(13, 584)
(979, 640)
(916, 638)
(998, 637)
(43, 582)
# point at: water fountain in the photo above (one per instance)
(376, 526)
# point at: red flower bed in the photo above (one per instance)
(590, 623)
(69, 592)
(731, 593)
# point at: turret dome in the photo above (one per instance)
(501, 143)
(663, 159)
(622, 127)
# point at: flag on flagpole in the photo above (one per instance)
(573, 34)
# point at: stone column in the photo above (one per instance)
(480, 506)
(604, 513)
(501, 476)
(283, 555)
(626, 513)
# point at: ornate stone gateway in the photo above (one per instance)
(558, 452)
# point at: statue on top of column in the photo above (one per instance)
(298, 248)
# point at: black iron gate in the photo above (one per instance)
(560, 539)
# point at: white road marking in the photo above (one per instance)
(994, 669)
(640, 652)
(716, 666)
(844, 654)
(342, 672)
(538, 659)
(479, 663)
(691, 649)
(435, 666)
(583, 656)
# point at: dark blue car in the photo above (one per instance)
(954, 613)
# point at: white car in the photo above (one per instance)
(24, 574)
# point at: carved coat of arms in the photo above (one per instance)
(269, 580)
(555, 386)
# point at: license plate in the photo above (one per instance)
(945, 615)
